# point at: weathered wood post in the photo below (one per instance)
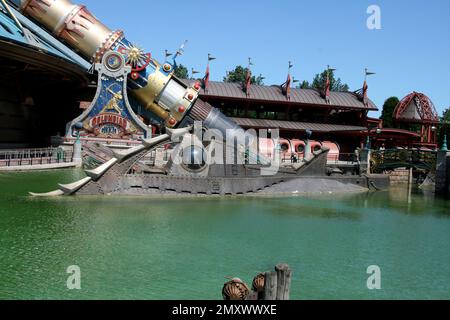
(271, 285)
(284, 277)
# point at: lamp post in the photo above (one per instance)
(308, 151)
(444, 142)
(77, 152)
(369, 138)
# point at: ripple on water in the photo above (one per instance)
(167, 248)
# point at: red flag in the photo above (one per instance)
(327, 88)
(365, 89)
(288, 87)
(248, 81)
(206, 79)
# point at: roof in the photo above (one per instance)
(295, 126)
(348, 100)
(416, 108)
(395, 131)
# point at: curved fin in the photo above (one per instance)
(150, 143)
(100, 171)
(74, 187)
(56, 193)
(176, 133)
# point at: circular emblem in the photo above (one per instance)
(167, 67)
(113, 61)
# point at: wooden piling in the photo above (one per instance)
(271, 286)
(284, 277)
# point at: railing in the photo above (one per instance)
(32, 157)
(114, 142)
(343, 158)
(398, 158)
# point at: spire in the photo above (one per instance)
(366, 87)
(208, 73)
(328, 84)
(248, 78)
(179, 52)
(362, 93)
(193, 73)
(286, 87)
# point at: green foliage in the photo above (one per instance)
(320, 80)
(446, 116)
(239, 74)
(304, 85)
(181, 72)
(388, 112)
(444, 127)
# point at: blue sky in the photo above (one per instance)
(410, 53)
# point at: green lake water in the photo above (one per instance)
(157, 248)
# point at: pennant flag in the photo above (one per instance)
(210, 57)
(168, 54)
(368, 73)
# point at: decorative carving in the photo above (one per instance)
(235, 289)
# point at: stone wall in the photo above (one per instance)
(443, 173)
(399, 176)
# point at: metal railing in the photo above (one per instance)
(32, 157)
(396, 158)
(113, 142)
(343, 158)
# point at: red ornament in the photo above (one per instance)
(197, 86)
(181, 109)
(172, 122)
(134, 75)
(190, 96)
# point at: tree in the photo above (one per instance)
(388, 111)
(304, 85)
(239, 74)
(181, 72)
(444, 126)
(446, 116)
(320, 80)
